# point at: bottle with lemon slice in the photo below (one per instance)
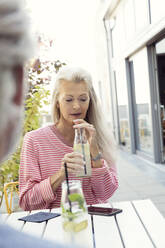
(81, 145)
(74, 214)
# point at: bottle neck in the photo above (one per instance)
(80, 136)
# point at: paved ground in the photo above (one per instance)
(140, 179)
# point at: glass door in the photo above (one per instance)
(121, 96)
(139, 79)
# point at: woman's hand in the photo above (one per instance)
(74, 162)
(91, 136)
(89, 128)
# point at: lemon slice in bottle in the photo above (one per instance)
(80, 226)
(68, 226)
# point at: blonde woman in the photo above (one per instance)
(45, 150)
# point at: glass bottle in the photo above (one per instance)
(81, 145)
(74, 214)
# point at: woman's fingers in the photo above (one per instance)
(82, 124)
(89, 128)
(72, 155)
(74, 167)
(74, 162)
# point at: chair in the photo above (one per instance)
(10, 189)
(1, 189)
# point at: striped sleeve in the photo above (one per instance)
(102, 184)
(35, 193)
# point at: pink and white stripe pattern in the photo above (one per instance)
(41, 156)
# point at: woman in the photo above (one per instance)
(45, 150)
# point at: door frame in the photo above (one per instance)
(132, 105)
(135, 141)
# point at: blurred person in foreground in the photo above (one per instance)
(15, 47)
(47, 149)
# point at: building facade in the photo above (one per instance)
(135, 32)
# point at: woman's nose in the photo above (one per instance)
(76, 105)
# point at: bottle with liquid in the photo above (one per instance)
(81, 145)
(74, 214)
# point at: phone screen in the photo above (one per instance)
(103, 211)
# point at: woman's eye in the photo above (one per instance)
(68, 100)
(83, 99)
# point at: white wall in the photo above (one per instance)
(102, 66)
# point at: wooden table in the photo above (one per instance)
(139, 225)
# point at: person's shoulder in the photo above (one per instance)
(42, 131)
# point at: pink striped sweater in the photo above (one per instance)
(41, 156)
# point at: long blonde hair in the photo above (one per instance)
(104, 135)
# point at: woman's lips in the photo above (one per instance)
(77, 114)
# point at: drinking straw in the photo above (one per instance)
(83, 151)
(67, 182)
(93, 232)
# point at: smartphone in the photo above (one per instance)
(103, 211)
(39, 217)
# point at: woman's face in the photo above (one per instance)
(73, 101)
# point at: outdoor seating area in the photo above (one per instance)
(82, 127)
(139, 225)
